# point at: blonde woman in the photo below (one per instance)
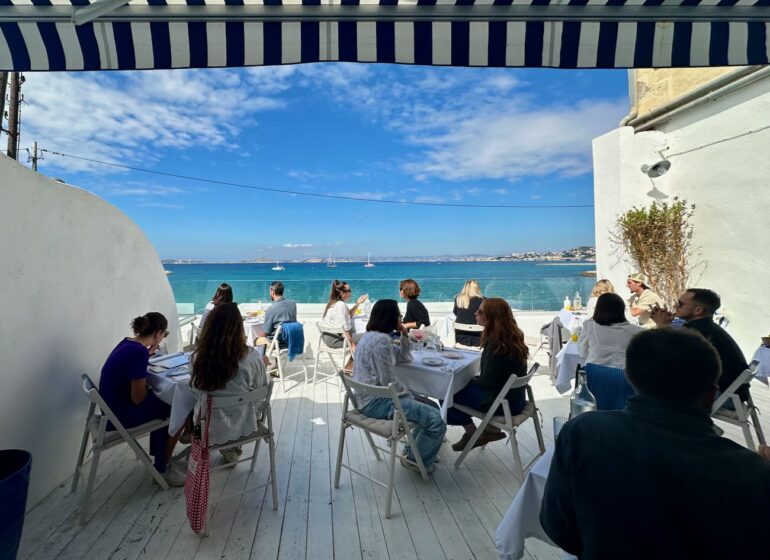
(603, 286)
(467, 303)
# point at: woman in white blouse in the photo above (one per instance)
(338, 316)
(376, 359)
(223, 365)
(602, 286)
(605, 337)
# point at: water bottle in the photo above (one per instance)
(577, 303)
(367, 307)
(567, 303)
(582, 400)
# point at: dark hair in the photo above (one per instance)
(501, 334)
(224, 294)
(708, 299)
(384, 317)
(610, 310)
(277, 288)
(410, 288)
(338, 288)
(676, 365)
(149, 324)
(221, 345)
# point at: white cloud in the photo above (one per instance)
(297, 245)
(130, 117)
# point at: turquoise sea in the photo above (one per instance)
(526, 285)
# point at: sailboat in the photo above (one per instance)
(278, 266)
(330, 262)
(369, 263)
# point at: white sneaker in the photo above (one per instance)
(407, 464)
(174, 475)
(230, 455)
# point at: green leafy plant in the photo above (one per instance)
(658, 241)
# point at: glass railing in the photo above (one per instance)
(543, 293)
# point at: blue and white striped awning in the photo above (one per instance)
(40, 35)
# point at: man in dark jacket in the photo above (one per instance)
(696, 307)
(655, 480)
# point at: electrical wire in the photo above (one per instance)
(316, 195)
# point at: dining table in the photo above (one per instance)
(253, 327)
(567, 361)
(439, 374)
(762, 355)
(172, 386)
(572, 320)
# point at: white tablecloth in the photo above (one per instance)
(359, 323)
(253, 329)
(176, 392)
(440, 382)
(567, 360)
(571, 319)
(762, 355)
(522, 519)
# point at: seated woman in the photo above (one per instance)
(467, 302)
(338, 316)
(416, 313)
(605, 337)
(504, 353)
(223, 365)
(376, 357)
(123, 385)
(602, 286)
(224, 294)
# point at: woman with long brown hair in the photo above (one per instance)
(224, 365)
(224, 294)
(504, 353)
(338, 316)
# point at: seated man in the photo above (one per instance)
(642, 299)
(696, 307)
(655, 480)
(281, 311)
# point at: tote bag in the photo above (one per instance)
(196, 485)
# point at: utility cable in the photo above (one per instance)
(316, 195)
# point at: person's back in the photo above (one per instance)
(654, 480)
(281, 311)
(733, 361)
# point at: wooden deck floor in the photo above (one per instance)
(452, 516)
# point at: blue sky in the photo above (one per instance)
(462, 136)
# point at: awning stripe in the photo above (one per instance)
(127, 45)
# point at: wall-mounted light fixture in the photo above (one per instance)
(657, 169)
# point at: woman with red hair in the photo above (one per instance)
(504, 353)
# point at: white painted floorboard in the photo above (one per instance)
(454, 515)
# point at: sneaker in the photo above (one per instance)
(407, 464)
(229, 455)
(174, 475)
(488, 436)
(460, 445)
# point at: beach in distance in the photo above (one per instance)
(526, 285)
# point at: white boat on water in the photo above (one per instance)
(331, 263)
(278, 266)
(369, 263)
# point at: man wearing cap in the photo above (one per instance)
(642, 299)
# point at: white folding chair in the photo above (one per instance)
(394, 431)
(261, 396)
(344, 352)
(743, 409)
(507, 422)
(466, 327)
(101, 440)
(275, 352)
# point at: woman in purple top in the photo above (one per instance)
(123, 385)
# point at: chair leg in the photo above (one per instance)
(304, 367)
(538, 432)
(371, 442)
(743, 419)
(391, 478)
(280, 371)
(517, 456)
(82, 452)
(340, 449)
(147, 462)
(757, 425)
(273, 481)
(89, 487)
(254, 456)
(315, 365)
(476, 435)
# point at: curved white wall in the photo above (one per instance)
(74, 272)
(725, 172)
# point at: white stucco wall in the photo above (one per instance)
(729, 182)
(74, 272)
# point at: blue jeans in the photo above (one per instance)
(429, 428)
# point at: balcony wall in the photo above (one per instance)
(74, 272)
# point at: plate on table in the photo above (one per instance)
(433, 361)
(452, 354)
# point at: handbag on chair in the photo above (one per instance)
(196, 485)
